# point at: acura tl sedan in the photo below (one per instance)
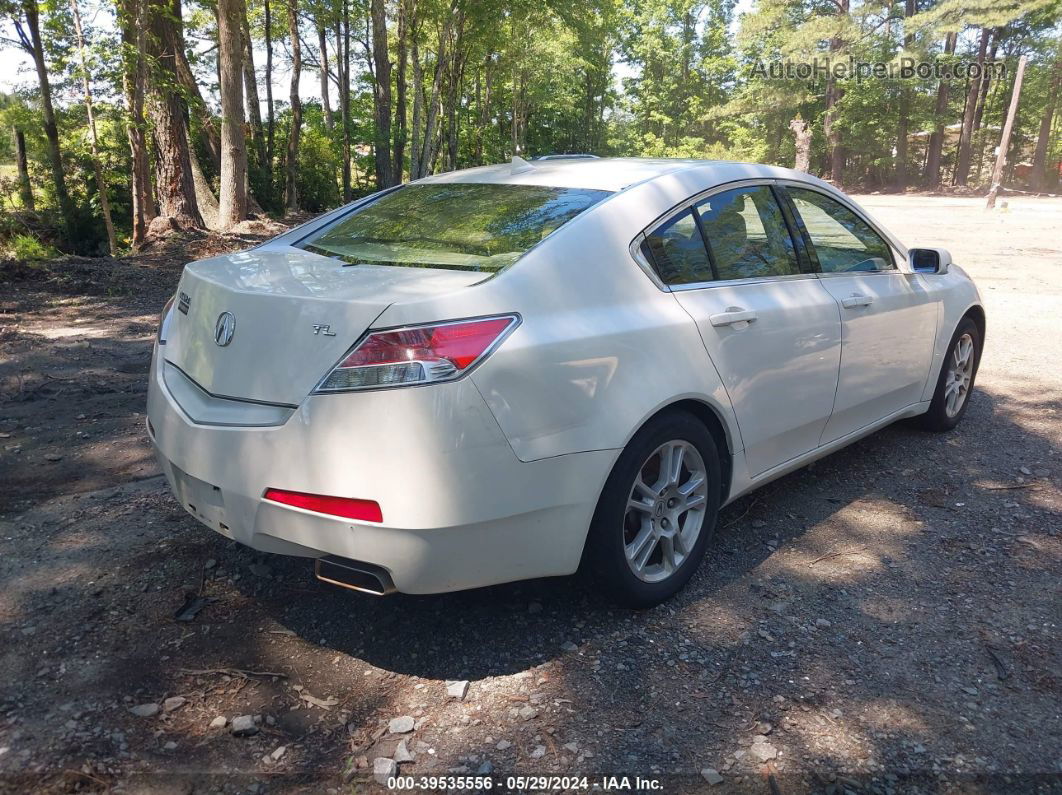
(530, 369)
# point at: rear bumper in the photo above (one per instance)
(459, 509)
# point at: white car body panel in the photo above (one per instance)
(887, 346)
(273, 293)
(779, 370)
(459, 506)
(495, 477)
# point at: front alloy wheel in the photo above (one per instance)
(960, 375)
(656, 512)
(956, 380)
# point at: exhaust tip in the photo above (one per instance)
(355, 575)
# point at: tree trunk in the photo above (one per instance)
(418, 101)
(453, 100)
(270, 118)
(1039, 166)
(962, 168)
(936, 139)
(197, 105)
(986, 82)
(130, 19)
(343, 66)
(431, 109)
(25, 189)
(381, 94)
(254, 107)
(1004, 142)
(232, 194)
(322, 45)
(802, 132)
(400, 94)
(291, 164)
(97, 166)
(834, 93)
(482, 106)
(982, 101)
(204, 194)
(904, 121)
(34, 46)
(833, 135)
(173, 167)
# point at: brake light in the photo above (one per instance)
(348, 508)
(418, 354)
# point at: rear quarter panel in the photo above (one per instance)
(600, 347)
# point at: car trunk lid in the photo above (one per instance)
(292, 315)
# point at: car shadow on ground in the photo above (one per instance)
(886, 542)
(841, 628)
(749, 532)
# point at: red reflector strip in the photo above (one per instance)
(365, 510)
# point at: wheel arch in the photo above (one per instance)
(711, 418)
(977, 314)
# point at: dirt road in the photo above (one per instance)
(884, 621)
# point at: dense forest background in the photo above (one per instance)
(153, 116)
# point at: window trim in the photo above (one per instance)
(805, 254)
(705, 242)
(891, 243)
(689, 203)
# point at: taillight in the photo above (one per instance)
(161, 335)
(418, 354)
(346, 507)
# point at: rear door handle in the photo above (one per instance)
(856, 300)
(732, 315)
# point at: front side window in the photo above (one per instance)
(452, 226)
(747, 234)
(843, 241)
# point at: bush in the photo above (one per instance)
(28, 248)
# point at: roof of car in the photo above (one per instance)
(606, 173)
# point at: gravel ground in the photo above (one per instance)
(886, 620)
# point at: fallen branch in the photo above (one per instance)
(1001, 670)
(744, 513)
(231, 672)
(837, 555)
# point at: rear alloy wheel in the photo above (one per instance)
(665, 511)
(956, 379)
(656, 512)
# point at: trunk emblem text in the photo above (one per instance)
(183, 302)
(224, 328)
(323, 329)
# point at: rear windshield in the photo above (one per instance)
(456, 226)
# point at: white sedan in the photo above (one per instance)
(530, 369)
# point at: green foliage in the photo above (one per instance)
(657, 78)
(27, 248)
(319, 164)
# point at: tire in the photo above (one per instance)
(956, 380)
(669, 534)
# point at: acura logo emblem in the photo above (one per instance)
(224, 328)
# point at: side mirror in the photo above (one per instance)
(929, 260)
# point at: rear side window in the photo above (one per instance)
(843, 241)
(676, 249)
(747, 234)
(452, 226)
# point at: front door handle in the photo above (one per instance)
(856, 300)
(732, 316)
